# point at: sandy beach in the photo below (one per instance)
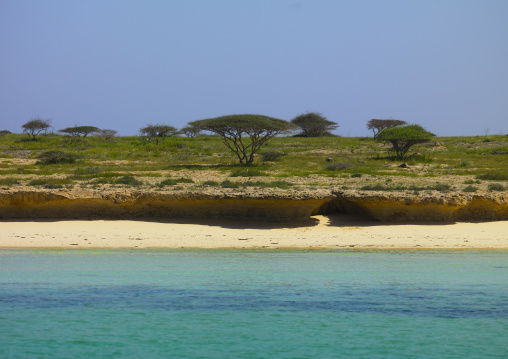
(336, 231)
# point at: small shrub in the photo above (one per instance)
(229, 184)
(272, 155)
(470, 181)
(50, 183)
(129, 181)
(88, 170)
(356, 175)
(496, 187)
(441, 187)
(464, 163)
(272, 184)
(470, 189)
(174, 181)
(338, 166)
(211, 183)
(494, 176)
(56, 157)
(9, 181)
(249, 172)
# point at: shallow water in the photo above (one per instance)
(253, 304)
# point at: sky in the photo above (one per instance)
(123, 64)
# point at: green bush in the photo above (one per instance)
(9, 181)
(56, 157)
(211, 183)
(470, 189)
(272, 155)
(229, 184)
(129, 181)
(494, 176)
(338, 166)
(50, 183)
(496, 187)
(174, 181)
(249, 172)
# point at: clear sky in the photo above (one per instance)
(122, 64)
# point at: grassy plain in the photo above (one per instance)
(463, 164)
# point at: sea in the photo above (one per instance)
(226, 303)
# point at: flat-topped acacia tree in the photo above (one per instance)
(244, 134)
(404, 137)
(157, 133)
(378, 125)
(79, 131)
(313, 124)
(35, 126)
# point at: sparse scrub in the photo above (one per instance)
(249, 172)
(128, 181)
(174, 181)
(496, 187)
(211, 183)
(338, 166)
(501, 175)
(9, 181)
(470, 188)
(229, 184)
(272, 155)
(56, 157)
(50, 183)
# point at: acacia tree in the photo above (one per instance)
(79, 131)
(378, 125)
(191, 131)
(106, 134)
(157, 133)
(314, 124)
(35, 126)
(404, 137)
(244, 134)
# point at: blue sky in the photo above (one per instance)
(122, 64)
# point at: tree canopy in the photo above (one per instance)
(378, 125)
(191, 131)
(314, 124)
(403, 138)
(244, 134)
(158, 133)
(35, 126)
(106, 134)
(80, 130)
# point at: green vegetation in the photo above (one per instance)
(314, 124)
(35, 126)
(318, 161)
(157, 133)
(378, 125)
(441, 187)
(174, 181)
(55, 157)
(80, 131)
(404, 137)
(244, 134)
(128, 181)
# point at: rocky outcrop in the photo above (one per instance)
(283, 207)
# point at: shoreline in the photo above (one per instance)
(320, 232)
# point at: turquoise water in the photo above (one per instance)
(253, 304)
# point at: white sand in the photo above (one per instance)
(321, 232)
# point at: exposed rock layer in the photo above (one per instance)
(280, 208)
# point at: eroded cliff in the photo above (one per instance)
(256, 206)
